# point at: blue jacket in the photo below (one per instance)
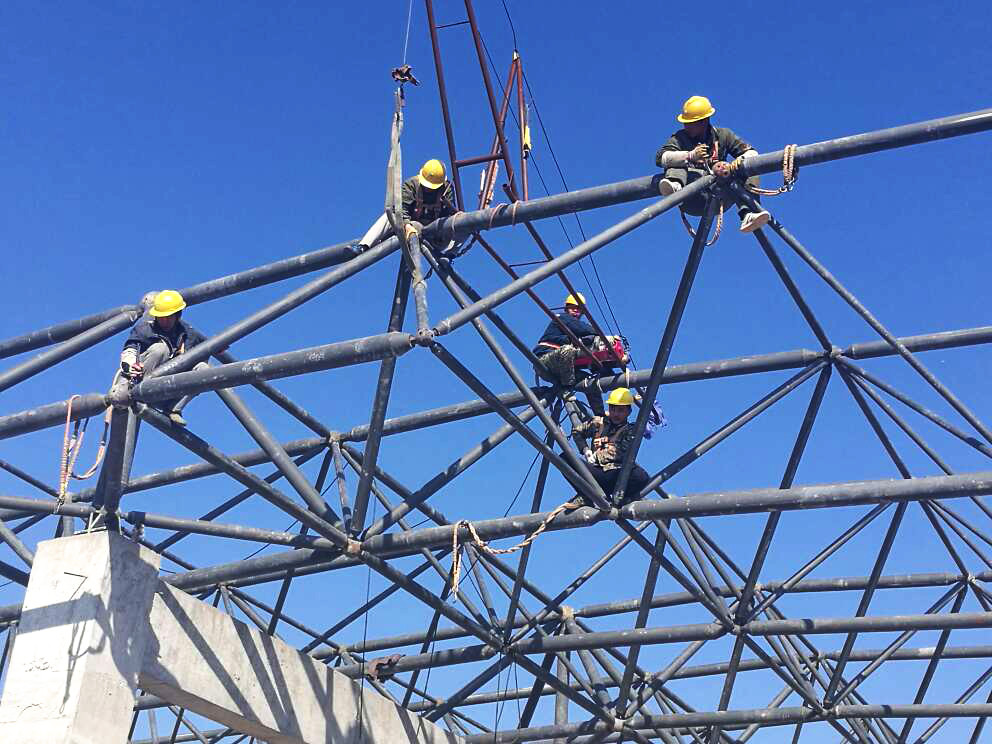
(554, 334)
(144, 333)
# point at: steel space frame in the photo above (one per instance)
(521, 626)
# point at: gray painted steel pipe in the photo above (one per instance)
(502, 215)
(53, 334)
(764, 716)
(73, 346)
(212, 289)
(880, 139)
(287, 364)
(53, 414)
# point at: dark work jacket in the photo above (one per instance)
(144, 333)
(554, 334)
(426, 205)
(727, 143)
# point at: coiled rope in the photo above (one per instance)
(71, 445)
(790, 174)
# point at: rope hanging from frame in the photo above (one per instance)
(478, 542)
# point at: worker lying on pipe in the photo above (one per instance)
(428, 196)
(157, 337)
(609, 438)
(557, 353)
(694, 150)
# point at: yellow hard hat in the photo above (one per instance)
(570, 300)
(432, 174)
(620, 397)
(167, 302)
(696, 108)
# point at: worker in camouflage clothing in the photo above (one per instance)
(427, 196)
(699, 146)
(609, 439)
(557, 353)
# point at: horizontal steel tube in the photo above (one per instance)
(53, 414)
(731, 502)
(691, 632)
(287, 364)
(709, 504)
(925, 342)
(763, 716)
(846, 583)
(875, 141)
(706, 670)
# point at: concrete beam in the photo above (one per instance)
(98, 623)
(211, 664)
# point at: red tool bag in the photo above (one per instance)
(603, 354)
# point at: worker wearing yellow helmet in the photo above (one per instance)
(697, 147)
(158, 336)
(556, 350)
(427, 196)
(609, 438)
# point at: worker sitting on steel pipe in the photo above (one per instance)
(158, 336)
(427, 196)
(692, 151)
(610, 437)
(557, 352)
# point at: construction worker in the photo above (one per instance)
(557, 352)
(158, 336)
(427, 196)
(698, 147)
(610, 437)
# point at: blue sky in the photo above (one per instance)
(157, 145)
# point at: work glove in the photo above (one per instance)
(411, 230)
(699, 154)
(722, 169)
(132, 370)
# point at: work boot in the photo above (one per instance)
(751, 221)
(667, 187)
(177, 418)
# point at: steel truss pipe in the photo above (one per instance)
(692, 632)
(763, 716)
(286, 364)
(714, 504)
(465, 223)
(675, 599)
(876, 141)
(212, 289)
(53, 334)
(73, 346)
(53, 414)
(746, 665)
(706, 504)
